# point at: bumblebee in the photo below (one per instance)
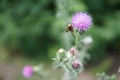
(69, 28)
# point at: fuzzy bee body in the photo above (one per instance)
(69, 28)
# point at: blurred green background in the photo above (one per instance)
(31, 31)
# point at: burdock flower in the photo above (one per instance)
(76, 64)
(27, 71)
(81, 21)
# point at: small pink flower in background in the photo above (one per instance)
(73, 51)
(28, 71)
(76, 64)
(81, 21)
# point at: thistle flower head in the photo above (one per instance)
(81, 21)
(28, 71)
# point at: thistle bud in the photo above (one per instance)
(36, 68)
(65, 60)
(76, 64)
(61, 53)
(73, 51)
(87, 40)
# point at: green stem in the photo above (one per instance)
(76, 40)
(73, 34)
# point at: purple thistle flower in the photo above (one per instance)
(81, 21)
(76, 64)
(27, 71)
